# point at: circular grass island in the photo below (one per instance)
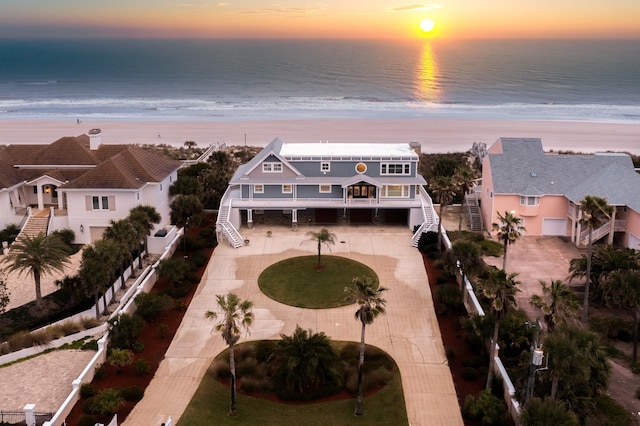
(299, 282)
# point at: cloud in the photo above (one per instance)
(223, 4)
(415, 7)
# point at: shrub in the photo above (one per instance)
(89, 322)
(138, 346)
(70, 327)
(42, 337)
(246, 366)
(106, 402)
(120, 358)
(88, 420)
(66, 235)
(469, 374)
(220, 369)
(199, 259)
(485, 408)
(141, 367)
(20, 340)
(132, 393)
(100, 372)
(150, 305)
(87, 390)
(255, 384)
(124, 330)
(91, 345)
(449, 298)
(428, 242)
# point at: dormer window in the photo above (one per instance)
(272, 167)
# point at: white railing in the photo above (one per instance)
(473, 307)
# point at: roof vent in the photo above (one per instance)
(534, 174)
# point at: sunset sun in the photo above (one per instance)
(427, 25)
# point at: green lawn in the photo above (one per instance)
(210, 406)
(297, 282)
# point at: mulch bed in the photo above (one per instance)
(155, 347)
(453, 339)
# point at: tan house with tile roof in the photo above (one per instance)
(82, 183)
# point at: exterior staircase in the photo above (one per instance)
(473, 212)
(430, 217)
(34, 226)
(603, 231)
(224, 226)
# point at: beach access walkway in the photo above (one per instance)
(409, 331)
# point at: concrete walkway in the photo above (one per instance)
(409, 332)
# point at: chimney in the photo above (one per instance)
(416, 147)
(95, 139)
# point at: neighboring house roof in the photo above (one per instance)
(70, 161)
(524, 169)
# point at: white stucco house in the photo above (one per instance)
(81, 184)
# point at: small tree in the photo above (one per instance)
(548, 412)
(236, 315)
(622, 290)
(500, 289)
(444, 189)
(322, 237)
(509, 229)
(557, 302)
(38, 256)
(463, 179)
(594, 211)
(368, 296)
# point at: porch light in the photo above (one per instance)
(81, 228)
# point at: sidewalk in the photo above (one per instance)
(409, 332)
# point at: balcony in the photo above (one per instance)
(304, 203)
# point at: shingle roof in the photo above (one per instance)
(69, 159)
(131, 168)
(523, 168)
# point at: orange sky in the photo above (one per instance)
(321, 19)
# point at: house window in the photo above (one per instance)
(287, 189)
(272, 167)
(100, 203)
(324, 189)
(258, 189)
(361, 168)
(325, 167)
(395, 169)
(528, 201)
(395, 191)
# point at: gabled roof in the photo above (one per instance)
(523, 168)
(272, 149)
(361, 178)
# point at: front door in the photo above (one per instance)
(362, 190)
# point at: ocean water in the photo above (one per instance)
(591, 80)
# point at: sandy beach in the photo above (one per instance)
(435, 134)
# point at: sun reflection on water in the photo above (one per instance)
(426, 82)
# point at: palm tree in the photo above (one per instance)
(562, 303)
(578, 366)
(501, 290)
(322, 237)
(370, 304)
(307, 361)
(186, 210)
(124, 234)
(463, 178)
(39, 255)
(509, 230)
(97, 269)
(594, 211)
(548, 412)
(143, 218)
(622, 289)
(236, 315)
(444, 190)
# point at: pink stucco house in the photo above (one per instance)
(545, 189)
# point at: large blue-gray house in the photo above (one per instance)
(327, 183)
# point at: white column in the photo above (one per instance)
(30, 414)
(40, 197)
(613, 227)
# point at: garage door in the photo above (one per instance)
(554, 227)
(634, 241)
